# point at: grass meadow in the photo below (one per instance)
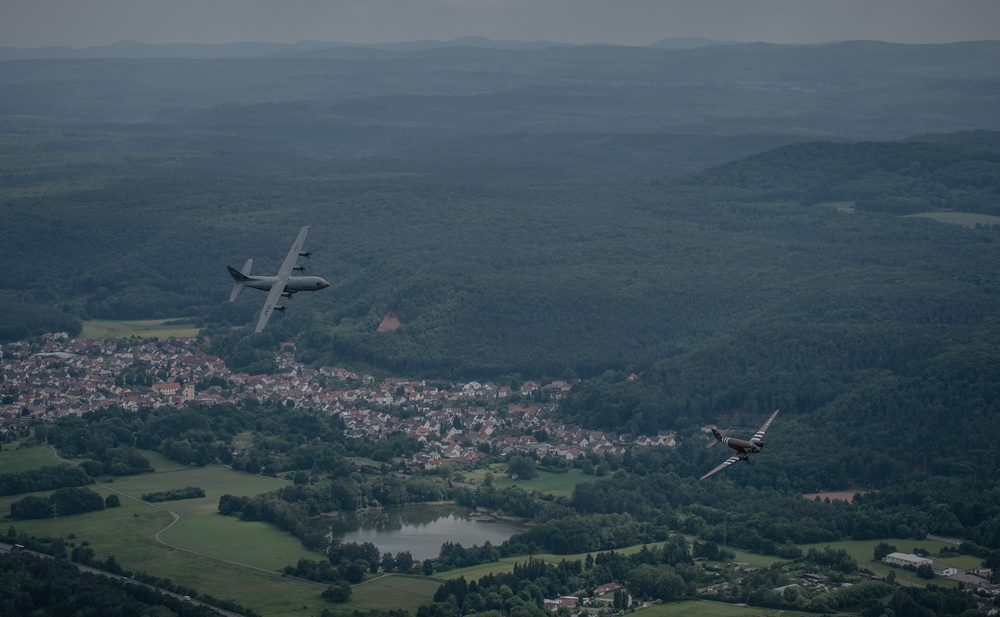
(20, 456)
(218, 555)
(864, 550)
(147, 328)
(558, 484)
(393, 592)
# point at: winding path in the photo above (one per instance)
(175, 518)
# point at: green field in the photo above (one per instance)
(214, 554)
(558, 484)
(21, 456)
(147, 328)
(864, 550)
(393, 592)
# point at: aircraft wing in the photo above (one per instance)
(284, 272)
(760, 434)
(729, 461)
(272, 300)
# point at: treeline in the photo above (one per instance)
(773, 520)
(83, 554)
(894, 177)
(663, 573)
(62, 502)
(888, 385)
(43, 479)
(586, 533)
(348, 562)
(188, 492)
(32, 585)
(22, 320)
(199, 436)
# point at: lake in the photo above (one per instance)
(420, 529)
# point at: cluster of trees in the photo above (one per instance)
(195, 435)
(346, 565)
(23, 320)
(666, 573)
(43, 479)
(83, 554)
(454, 555)
(522, 467)
(32, 585)
(575, 533)
(107, 438)
(62, 502)
(509, 501)
(188, 492)
(518, 593)
(925, 602)
(122, 461)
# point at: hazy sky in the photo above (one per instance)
(81, 23)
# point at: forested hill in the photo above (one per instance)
(526, 213)
(894, 177)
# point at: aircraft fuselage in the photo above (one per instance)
(742, 446)
(292, 285)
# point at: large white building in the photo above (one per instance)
(906, 560)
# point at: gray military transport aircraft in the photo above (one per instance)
(281, 286)
(743, 448)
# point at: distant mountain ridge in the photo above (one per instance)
(129, 49)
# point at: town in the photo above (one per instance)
(455, 424)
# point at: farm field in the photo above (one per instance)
(147, 328)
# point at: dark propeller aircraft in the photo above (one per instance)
(743, 448)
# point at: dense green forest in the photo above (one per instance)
(722, 222)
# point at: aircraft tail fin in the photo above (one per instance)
(717, 435)
(240, 277)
